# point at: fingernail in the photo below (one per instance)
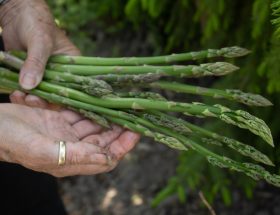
(29, 81)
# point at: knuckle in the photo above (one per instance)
(47, 38)
(74, 157)
(43, 34)
(13, 98)
(36, 61)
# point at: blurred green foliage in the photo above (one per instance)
(141, 27)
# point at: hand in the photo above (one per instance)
(28, 138)
(29, 25)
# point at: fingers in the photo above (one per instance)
(84, 159)
(86, 127)
(39, 48)
(82, 153)
(77, 153)
(126, 141)
(105, 138)
(81, 170)
(34, 101)
(18, 97)
(81, 158)
(87, 161)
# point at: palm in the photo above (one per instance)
(88, 146)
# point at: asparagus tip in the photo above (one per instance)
(220, 68)
(249, 98)
(234, 51)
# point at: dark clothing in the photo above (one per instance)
(23, 191)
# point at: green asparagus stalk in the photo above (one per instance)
(186, 128)
(100, 120)
(228, 52)
(183, 127)
(17, 63)
(208, 69)
(255, 171)
(238, 118)
(92, 86)
(153, 123)
(143, 95)
(68, 85)
(144, 79)
(10, 60)
(235, 95)
(87, 88)
(52, 97)
(99, 88)
(251, 170)
(125, 79)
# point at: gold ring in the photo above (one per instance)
(62, 153)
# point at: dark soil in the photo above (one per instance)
(130, 188)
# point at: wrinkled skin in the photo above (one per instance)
(29, 134)
(28, 25)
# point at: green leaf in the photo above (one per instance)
(226, 195)
(165, 193)
(181, 194)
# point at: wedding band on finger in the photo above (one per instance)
(61, 153)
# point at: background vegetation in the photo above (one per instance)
(150, 27)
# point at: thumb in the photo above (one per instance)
(38, 51)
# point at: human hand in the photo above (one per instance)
(28, 138)
(29, 25)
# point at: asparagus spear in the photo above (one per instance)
(91, 85)
(228, 52)
(238, 118)
(183, 127)
(255, 171)
(121, 118)
(52, 97)
(207, 69)
(94, 117)
(144, 95)
(100, 88)
(235, 95)
(125, 79)
(186, 128)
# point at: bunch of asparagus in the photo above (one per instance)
(103, 89)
